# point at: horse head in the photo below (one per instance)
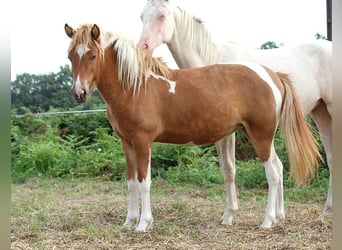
(158, 24)
(85, 56)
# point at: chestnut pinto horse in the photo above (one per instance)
(309, 67)
(147, 102)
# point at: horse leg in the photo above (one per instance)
(280, 214)
(226, 151)
(143, 153)
(322, 118)
(132, 217)
(262, 138)
(275, 202)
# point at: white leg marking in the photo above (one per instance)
(146, 218)
(273, 179)
(280, 213)
(132, 218)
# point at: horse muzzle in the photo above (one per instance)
(145, 48)
(80, 95)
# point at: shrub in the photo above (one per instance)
(189, 164)
(88, 147)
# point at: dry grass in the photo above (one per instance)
(88, 214)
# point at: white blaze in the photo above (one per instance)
(81, 50)
(78, 84)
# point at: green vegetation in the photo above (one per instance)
(84, 146)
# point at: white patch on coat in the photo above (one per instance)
(261, 71)
(172, 84)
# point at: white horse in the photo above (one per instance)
(308, 65)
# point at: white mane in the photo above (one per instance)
(193, 31)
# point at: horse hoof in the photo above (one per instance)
(227, 220)
(280, 217)
(130, 224)
(144, 226)
(267, 224)
(326, 213)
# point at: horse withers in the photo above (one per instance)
(148, 102)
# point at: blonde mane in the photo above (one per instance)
(134, 66)
(193, 31)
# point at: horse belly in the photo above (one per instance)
(204, 129)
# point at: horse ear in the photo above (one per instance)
(95, 32)
(69, 31)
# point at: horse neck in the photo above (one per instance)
(185, 55)
(108, 81)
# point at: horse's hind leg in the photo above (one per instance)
(275, 201)
(262, 137)
(280, 214)
(323, 121)
(226, 151)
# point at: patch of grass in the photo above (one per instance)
(52, 213)
(250, 174)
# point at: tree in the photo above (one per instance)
(269, 45)
(39, 93)
(320, 36)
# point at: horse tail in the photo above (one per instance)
(302, 148)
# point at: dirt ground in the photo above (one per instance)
(88, 214)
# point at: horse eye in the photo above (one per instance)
(93, 57)
(162, 17)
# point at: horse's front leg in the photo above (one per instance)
(132, 218)
(143, 154)
(226, 151)
(138, 158)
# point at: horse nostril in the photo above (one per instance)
(80, 96)
(145, 46)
